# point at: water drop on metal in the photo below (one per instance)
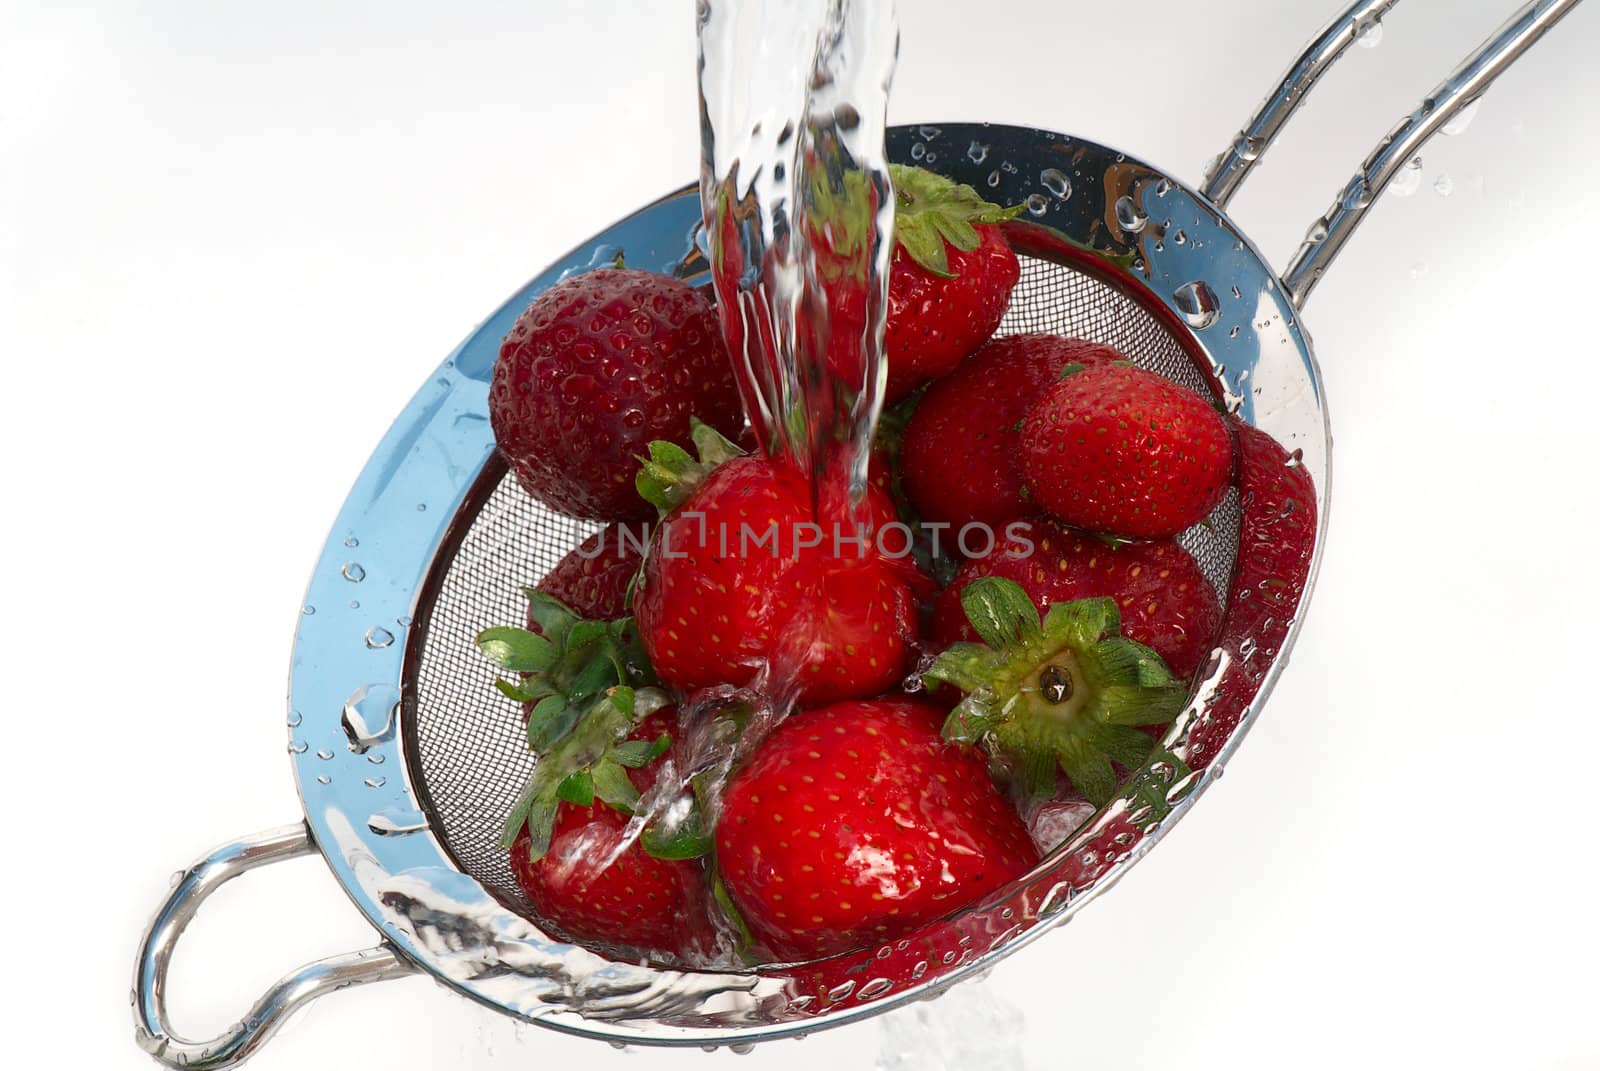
(1370, 34)
(353, 572)
(1037, 204)
(1058, 184)
(379, 637)
(1198, 304)
(1130, 217)
(1461, 120)
(369, 715)
(395, 822)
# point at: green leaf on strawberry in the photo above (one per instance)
(1063, 693)
(669, 475)
(931, 210)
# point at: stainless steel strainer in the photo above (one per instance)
(407, 761)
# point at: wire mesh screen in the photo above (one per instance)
(468, 740)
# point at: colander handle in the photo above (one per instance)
(154, 1033)
(1229, 170)
(1460, 89)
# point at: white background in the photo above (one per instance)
(234, 238)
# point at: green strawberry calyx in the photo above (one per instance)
(564, 666)
(932, 211)
(585, 685)
(589, 762)
(1065, 692)
(669, 475)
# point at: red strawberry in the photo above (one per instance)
(593, 579)
(1277, 540)
(638, 901)
(855, 823)
(598, 366)
(730, 595)
(1066, 693)
(1165, 601)
(1119, 449)
(960, 448)
(950, 278)
(1277, 533)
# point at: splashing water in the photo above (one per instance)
(799, 209)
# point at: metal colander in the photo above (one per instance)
(406, 760)
(470, 745)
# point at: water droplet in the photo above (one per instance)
(1037, 204)
(927, 133)
(1163, 187)
(840, 991)
(294, 718)
(352, 541)
(324, 754)
(422, 507)
(742, 1048)
(404, 620)
(1234, 333)
(355, 604)
(369, 715)
(1444, 185)
(376, 758)
(875, 988)
(1410, 177)
(396, 822)
(1130, 217)
(297, 747)
(324, 779)
(308, 609)
(375, 782)
(1198, 303)
(977, 152)
(353, 572)
(1369, 34)
(1058, 184)
(1247, 147)
(918, 151)
(379, 637)
(994, 178)
(1461, 120)
(1180, 238)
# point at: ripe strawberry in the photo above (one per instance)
(960, 448)
(950, 278)
(597, 367)
(1122, 450)
(638, 901)
(1165, 601)
(593, 579)
(855, 823)
(1067, 693)
(730, 595)
(1277, 540)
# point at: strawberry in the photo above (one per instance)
(960, 447)
(744, 582)
(855, 823)
(638, 900)
(598, 366)
(950, 277)
(1165, 601)
(1121, 450)
(1277, 541)
(593, 579)
(1066, 693)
